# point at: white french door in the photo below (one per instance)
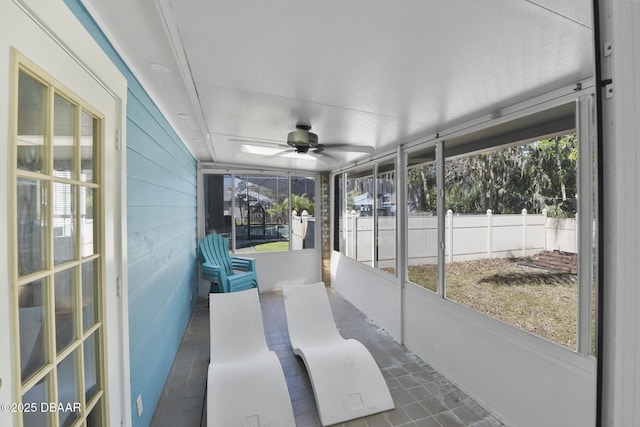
(65, 319)
(58, 261)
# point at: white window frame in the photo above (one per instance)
(585, 128)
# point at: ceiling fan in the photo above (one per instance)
(303, 141)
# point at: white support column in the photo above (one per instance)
(489, 233)
(449, 244)
(374, 216)
(524, 232)
(354, 234)
(290, 209)
(545, 212)
(402, 263)
(233, 213)
(441, 218)
(619, 32)
(585, 218)
(576, 233)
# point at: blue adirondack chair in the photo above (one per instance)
(230, 273)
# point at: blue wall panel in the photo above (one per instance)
(161, 243)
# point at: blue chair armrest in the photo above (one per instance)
(243, 263)
(242, 281)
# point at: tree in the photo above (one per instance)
(301, 202)
(278, 210)
(533, 176)
(422, 195)
(555, 174)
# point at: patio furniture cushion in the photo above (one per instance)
(346, 380)
(246, 385)
(232, 273)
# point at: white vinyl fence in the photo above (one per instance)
(467, 237)
(302, 231)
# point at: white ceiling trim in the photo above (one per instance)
(532, 106)
(177, 48)
(120, 51)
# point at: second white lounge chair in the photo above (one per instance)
(346, 380)
(246, 386)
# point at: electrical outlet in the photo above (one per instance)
(139, 405)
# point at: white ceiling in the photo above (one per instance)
(365, 72)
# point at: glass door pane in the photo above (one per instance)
(89, 294)
(88, 146)
(91, 366)
(32, 318)
(68, 394)
(63, 138)
(87, 218)
(36, 394)
(32, 107)
(64, 222)
(64, 283)
(31, 227)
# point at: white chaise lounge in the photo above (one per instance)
(246, 385)
(346, 380)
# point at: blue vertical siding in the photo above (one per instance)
(161, 242)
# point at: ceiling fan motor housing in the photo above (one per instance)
(302, 139)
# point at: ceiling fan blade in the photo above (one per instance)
(323, 155)
(354, 148)
(267, 143)
(278, 154)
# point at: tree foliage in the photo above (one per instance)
(422, 196)
(278, 211)
(534, 176)
(299, 203)
(302, 202)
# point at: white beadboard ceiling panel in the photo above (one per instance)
(360, 72)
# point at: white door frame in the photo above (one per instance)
(48, 33)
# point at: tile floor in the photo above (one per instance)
(423, 397)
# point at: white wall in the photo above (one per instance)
(524, 380)
(373, 292)
(278, 269)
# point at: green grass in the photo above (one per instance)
(539, 301)
(272, 247)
